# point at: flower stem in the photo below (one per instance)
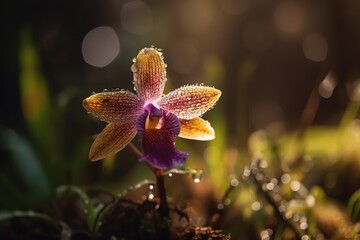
(163, 229)
(164, 207)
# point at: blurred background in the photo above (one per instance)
(288, 70)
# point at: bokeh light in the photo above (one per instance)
(289, 17)
(196, 16)
(327, 86)
(315, 47)
(257, 35)
(234, 7)
(100, 46)
(137, 17)
(184, 56)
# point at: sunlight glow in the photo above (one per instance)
(100, 46)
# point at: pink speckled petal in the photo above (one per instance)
(149, 74)
(111, 140)
(115, 106)
(158, 144)
(189, 102)
(196, 129)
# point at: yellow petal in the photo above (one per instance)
(196, 129)
(149, 74)
(115, 106)
(189, 102)
(111, 140)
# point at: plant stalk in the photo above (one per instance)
(164, 206)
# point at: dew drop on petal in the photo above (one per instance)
(151, 186)
(134, 69)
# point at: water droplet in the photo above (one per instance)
(151, 196)
(134, 60)
(197, 176)
(288, 215)
(220, 206)
(263, 164)
(295, 186)
(310, 200)
(234, 182)
(170, 175)
(246, 172)
(165, 65)
(285, 178)
(134, 68)
(93, 93)
(255, 206)
(266, 234)
(305, 237)
(259, 176)
(151, 186)
(197, 179)
(270, 186)
(227, 201)
(281, 208)
(105, 90)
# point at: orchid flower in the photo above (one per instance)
(158, 119)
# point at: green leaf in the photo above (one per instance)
(25, 167)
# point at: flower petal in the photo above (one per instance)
(115, 106)
(196, 129)
(111, 140)
(158, 144)
(149, 74)
(189, 102)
